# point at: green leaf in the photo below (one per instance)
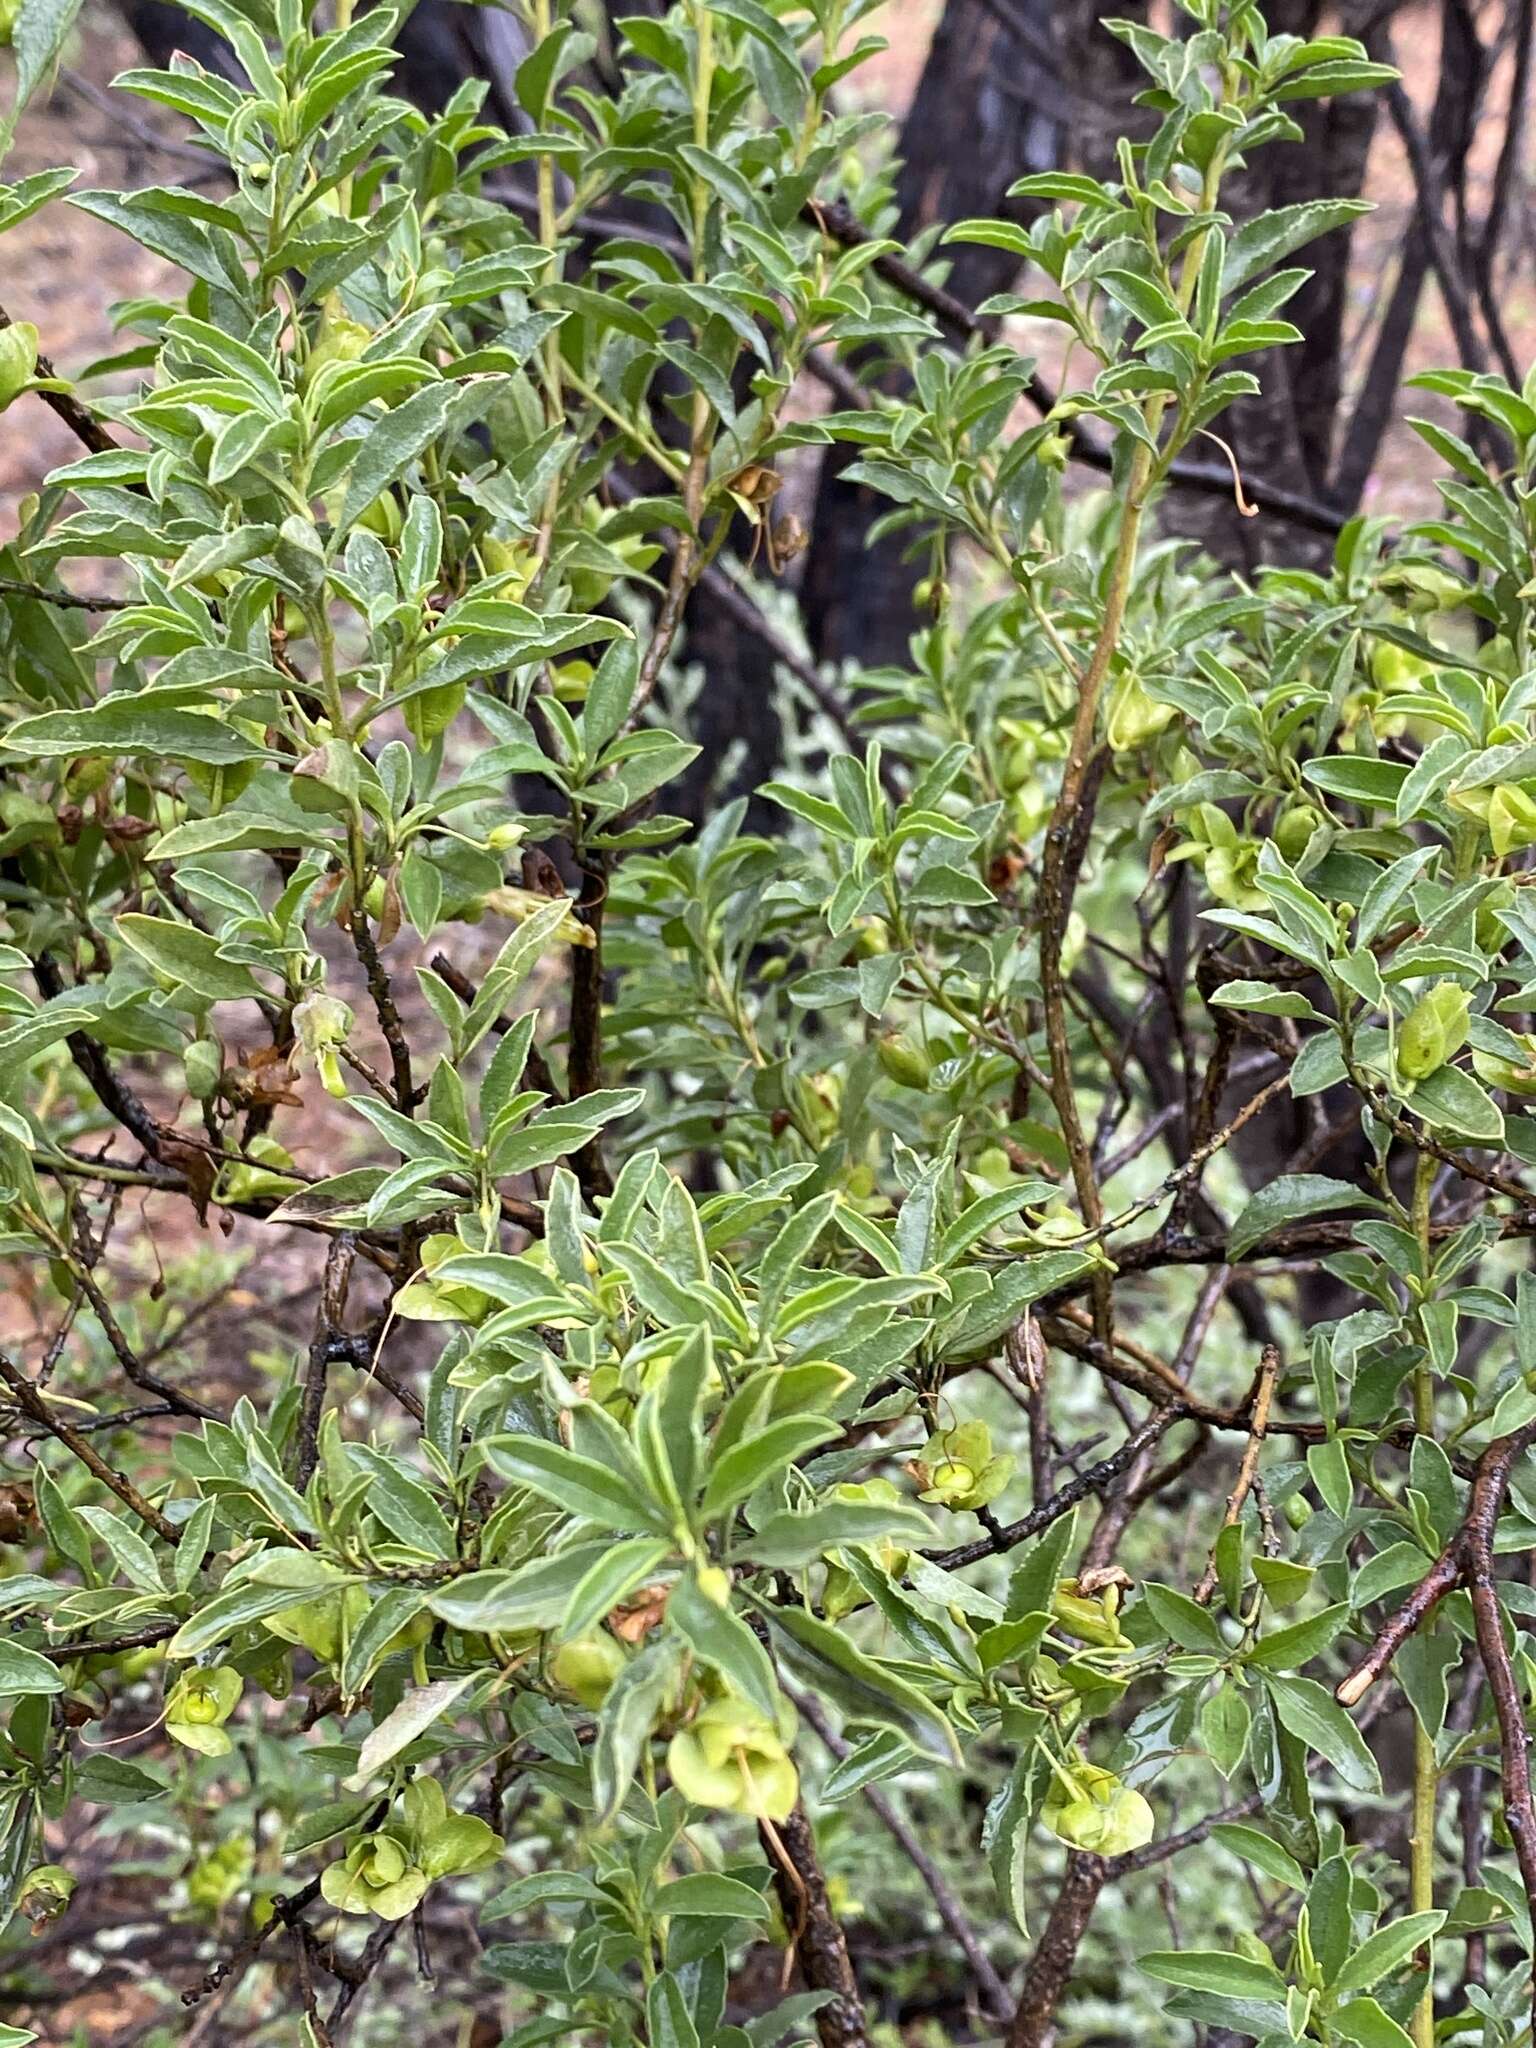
(1264, 998)
(405, 1507)
(1361, 781)
(420, 1710)
(815, 810)
(1206, 1969)
(395, 442)
(396, 1608)
(235, 832)
(1328, 1464)
(628, 1717)
(128, 726)
(579, 1485)
(1283, 1580)
(54, 1021)
(866, 1691)
(1423, 1666)
(1183, 1621)
(790, 1541)
(1262, 1851)
(1385, 1951)
(1286, 1648)
(107, 1780)
(187, 956)
(511, 968)
(1323, 80)
(38, 34)
(1225, 1720)
(1314, 1717)
(668, 2022)
(1450, 1100)
(1367, 2024)
(24, 1671)
(1271, 237)
(721, 1639)
(1005, 1841)
(610, 1579)
(320, 1824)
(711, 1896)
(1290, 1199)
(534, 1596)
(237, 1606)
(745, 1465)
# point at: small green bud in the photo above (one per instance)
(339, 340)
(902, 1061)
(1294, 828)
(588, 1667)
(1017, 767)
(1397, 668)
(1511, 819)
(1052, 450)
(715, 1584)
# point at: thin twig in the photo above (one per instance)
(948, 1906)
(1247, 1471)
(31, 1403)
(63, 600)
(81, 423)
(330, 1316)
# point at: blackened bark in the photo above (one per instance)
(821, 1948)
(986, 113)
(1287, 433)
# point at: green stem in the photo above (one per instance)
(1421, 1872)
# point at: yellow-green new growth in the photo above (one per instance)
(387, 1872)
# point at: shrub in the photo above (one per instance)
(733, 1250)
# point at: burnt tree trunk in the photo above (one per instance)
(989, 109)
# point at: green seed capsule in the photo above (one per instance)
(903, 1062)
(1294, 829)
(1134, 716)
(1434, 1029)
